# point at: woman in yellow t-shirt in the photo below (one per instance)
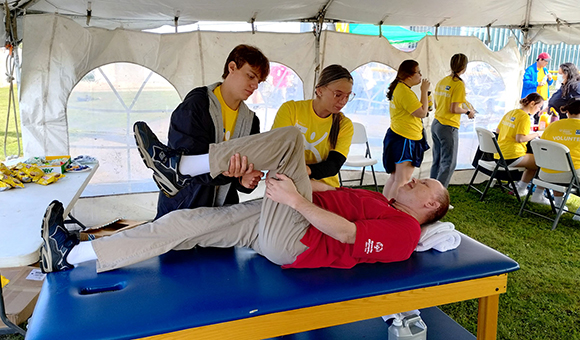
(404, 143)
(513, 135)
(450, 97)
(567, 132)
(327, 131)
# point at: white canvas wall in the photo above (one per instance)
(58, 52)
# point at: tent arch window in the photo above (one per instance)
(101, 111)
(371, 106)
(283, 84)
(486, 92)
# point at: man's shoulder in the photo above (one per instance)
(198, 93)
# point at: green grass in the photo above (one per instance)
(542, 300)
(11, 144)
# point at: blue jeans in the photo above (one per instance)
(445, 146)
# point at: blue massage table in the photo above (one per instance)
(209, 293)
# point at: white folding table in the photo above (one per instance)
(21, 213)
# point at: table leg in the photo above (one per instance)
(487, 317)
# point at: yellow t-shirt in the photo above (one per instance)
(542, 90)
(315, 131)
(515, 122)
(403, 123)
(448, 91)
(229, 116)
(567, 132)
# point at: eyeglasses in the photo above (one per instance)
(341, 95)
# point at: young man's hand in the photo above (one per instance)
(238, 166)
(282, 190)
(250, 180)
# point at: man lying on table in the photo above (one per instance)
(298, 224)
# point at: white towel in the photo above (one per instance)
(440, 236)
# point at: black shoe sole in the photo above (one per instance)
(164, 184)
(53, 215)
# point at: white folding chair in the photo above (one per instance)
(360, 160)
(497, 169)
(553, 156)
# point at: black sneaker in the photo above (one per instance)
(57, 240)
(158, 157)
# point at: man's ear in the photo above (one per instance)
(432, 205)
(232, 66)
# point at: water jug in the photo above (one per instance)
(411, 327)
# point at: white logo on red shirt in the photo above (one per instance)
(371, 246)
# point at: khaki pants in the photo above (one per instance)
(273, 230)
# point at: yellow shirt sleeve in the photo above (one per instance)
(286, 115)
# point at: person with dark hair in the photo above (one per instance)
(299, 223)
(327, 131)
(567, 132)
(213, 114)
(569, 90)
(514, 132)
(449, 97)
(405, 142)
(537, 78)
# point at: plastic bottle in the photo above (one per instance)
(410, 328)
(544, 121)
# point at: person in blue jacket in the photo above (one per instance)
(214, 114)
(537, 78)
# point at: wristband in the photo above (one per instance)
(468, 112)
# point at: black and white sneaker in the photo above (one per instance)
(158, 157)
(57, 240)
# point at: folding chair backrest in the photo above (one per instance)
(360, 134)
(486, 140)
(551, 155)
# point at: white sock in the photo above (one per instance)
(521, 185)
(558, 200)
(83, 252)
(194, 165)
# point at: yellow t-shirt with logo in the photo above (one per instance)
(448, 91)
(403, 123)
(542, 90)
(229, 116)
(567, 132)
(315, 131)
(515, 122)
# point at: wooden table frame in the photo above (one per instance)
(486, 289)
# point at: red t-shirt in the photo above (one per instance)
(383, 233)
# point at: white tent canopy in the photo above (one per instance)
(61, 52)
(551, 21)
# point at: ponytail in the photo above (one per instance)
(334, 129)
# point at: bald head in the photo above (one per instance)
(426, 199)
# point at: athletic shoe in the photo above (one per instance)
(540, 200)
(57, 240)
(158, 157)
(576, 217)
(523, 192)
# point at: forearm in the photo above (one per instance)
(456, 108)
(327, 222)
(526, 138)
(329, 167)
(319, 186)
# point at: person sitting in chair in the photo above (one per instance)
(298, 224)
